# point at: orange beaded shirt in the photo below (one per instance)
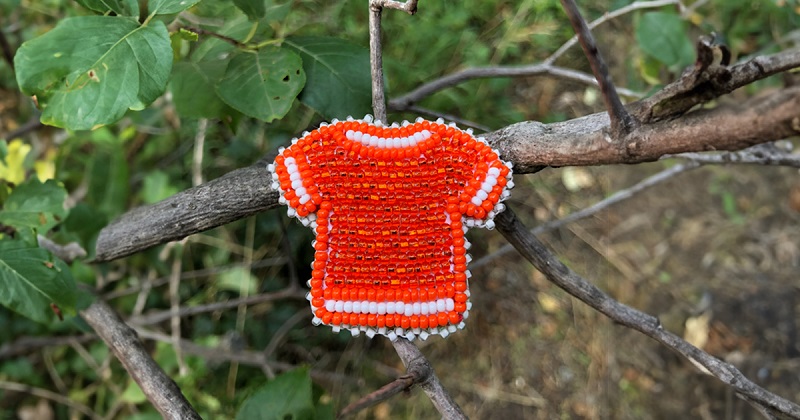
(389, 206)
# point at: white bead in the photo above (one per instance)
(419, 119)
(271, 167)
(355, 332)
(426, 134)
(316, 322)
(404, 142)
(334, 121)
(469, 131)
(423, 335)
(409, 309)
(281, 200)
(358, 136)
(432, 307)
(444, 333)
(415, 308)
(392, 336)
(336, 329)
(339, 306)
(368, 118)
(440, 120)
(289, 161)
(356, 307)
(441, 306)
(490, 224)
(373, 141)
(492, 181)
(381, 308)
(410, 336)
(274, 176)
(418, 137)
(275, 186)
(449, 304)
(294, 176)
(350, 134)
(494, 172)
(291, 212)
(370, 333)
(373, 307)
(452, 328)
(394, 308)
(482, 195)
(330, 306)
(348, 307)
(510, 185)
(476, 201)
(382, 143)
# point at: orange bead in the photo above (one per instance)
(414, 321)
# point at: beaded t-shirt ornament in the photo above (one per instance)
(389, 206)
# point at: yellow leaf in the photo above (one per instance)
(46, 169)
(12, 169)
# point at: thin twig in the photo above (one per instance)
(622, 121)
(174, 308)
(639, 5)
(156, 317)
(386, 392)
(404, 102)
(763, 154)
(27, 345)
(159, 388)
(50, 395)
(560, 275)
(32, 124)
(447, 117)
(69, 252)
(615, 198)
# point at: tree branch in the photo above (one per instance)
(376, 60)
(529, 145)
(159, 388)
(50, 395)
(238, 194)
(555, 271)
(621, 121)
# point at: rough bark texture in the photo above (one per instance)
(159, 388)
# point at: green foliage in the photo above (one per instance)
(338, 74)
(89, 71)
(35, 205)
(31, 279)
(288, 396)
(262, 84)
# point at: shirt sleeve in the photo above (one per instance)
(491, 181)
(293, 178)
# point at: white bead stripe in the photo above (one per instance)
(388, 143)
(297, 180)
(390, 308)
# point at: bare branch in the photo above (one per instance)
(201, 31)
(154, 318)
(621, 121)
(555, 271)
(69, 252)
(639, 5)
(236, 195)
(159, 388)
(763, 154)
(27, 345)
(404, 102)
(387, 391)
(615, 198)
(546, 67)
(376, 60)
(529, 145)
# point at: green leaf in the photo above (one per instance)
(239, 280)
(288, 396)
(662, 35)
(36, 205)
(339, 81)
(254, 9)
(90, 70)
(31, 279)
(167, 7)
(262, 84)
(120, 7)
(192, 87)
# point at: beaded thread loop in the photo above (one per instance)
(389, 206)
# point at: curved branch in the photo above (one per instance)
(160, 390)
(555, 271)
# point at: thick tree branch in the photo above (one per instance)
(555, 271)
(236, 195)
(159, 388)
